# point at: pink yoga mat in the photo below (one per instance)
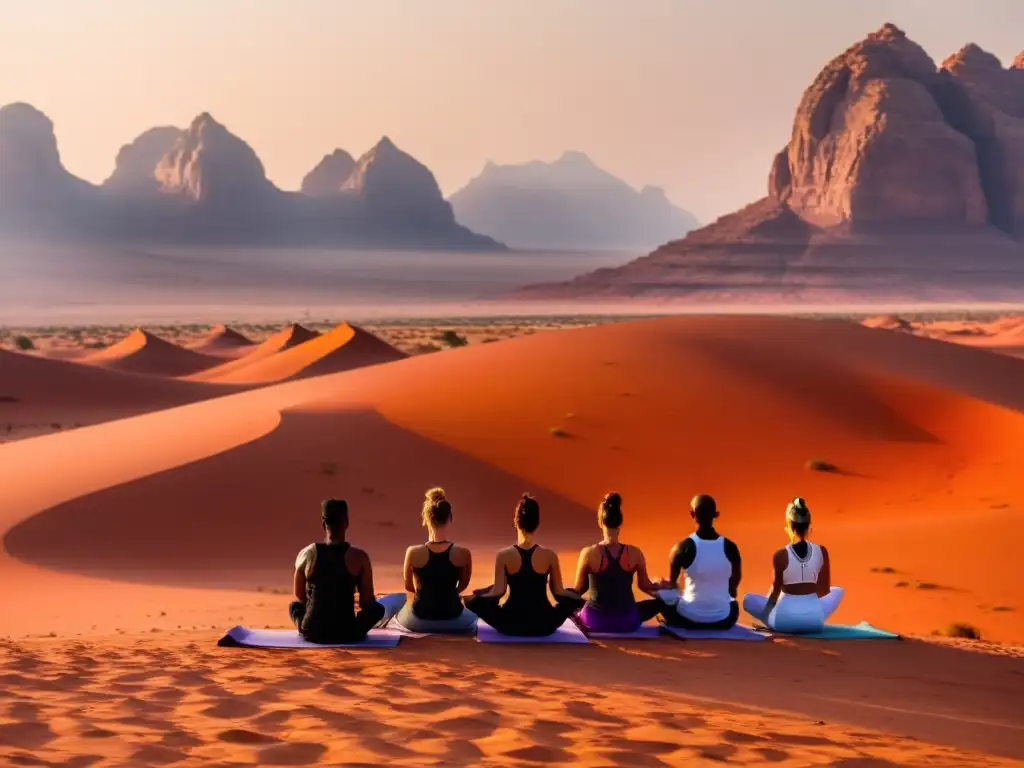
(567, 633)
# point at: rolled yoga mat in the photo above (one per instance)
(567, 633)
(290, 638)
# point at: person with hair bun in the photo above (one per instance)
(526, 570)
(802, 596)
(607, 570)
(435, 574)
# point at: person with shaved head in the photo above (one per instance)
(711, 569)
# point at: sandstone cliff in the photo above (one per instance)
(901, 179)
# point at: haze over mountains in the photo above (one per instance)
(568, 204)
(902, 179)
(203, 184)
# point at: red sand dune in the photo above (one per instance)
(223, 341)
(657, 410)
(37, 391)
(283, 340)
(926, 436)
(142, 352)
(341, 349)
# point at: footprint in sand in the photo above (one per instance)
(25, 735)
(242, 736)
(294, 753)
(584, 710)
(155, 754)
(541, 754)
(470, 727)
(232, 708)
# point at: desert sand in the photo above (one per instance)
(143, 352)
(1003, 334)
(112, 629)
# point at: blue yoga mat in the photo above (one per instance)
(862, 631)
(736, 632)
(290, 638)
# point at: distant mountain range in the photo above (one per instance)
(903, 179)
(568, 204)
(203, 184)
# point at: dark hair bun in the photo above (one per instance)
(610, 511)
(527, 514)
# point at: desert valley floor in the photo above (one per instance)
(157, 484)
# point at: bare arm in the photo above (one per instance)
(825, 575)
(500, 585)
(732, 554)
(779, 562)
(407, 571)
(365, 581)
(555, 578)
(466, 572)
(299, 585)
(583, 571)
(680, 558)
(642, 579)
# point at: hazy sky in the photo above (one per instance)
(692, 95)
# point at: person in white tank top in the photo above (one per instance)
(711, 568)
(802, 596)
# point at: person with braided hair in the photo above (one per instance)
(802, 596)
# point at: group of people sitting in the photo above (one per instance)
(701, 592)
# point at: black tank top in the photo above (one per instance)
(527, 589)
(611, 590)
(330, 594)
(437, 588)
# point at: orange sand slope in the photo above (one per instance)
(343, 348)
(1004, 335)
(40, 391)
(142, 352)
(283, 340)
(174, 698)
(657, 410)
(223, 341)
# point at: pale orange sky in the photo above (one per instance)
(692, 95)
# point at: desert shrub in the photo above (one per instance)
(817, 465)
(965, 631)
(452, 339)
(558, 432)
(24, 343)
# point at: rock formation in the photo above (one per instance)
(329, 175)
(206, 185)
(390, 186)
(135, 166)
(901, 179)
(569, 204)
(210, 165)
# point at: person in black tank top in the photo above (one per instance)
(327, 576)
(526, 571)
(606, 570)
(435, 575)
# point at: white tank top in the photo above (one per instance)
(803, 571)
(706, 597)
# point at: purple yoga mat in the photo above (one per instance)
(567, 633)
(646, 632)
(290, 638)
(738, 632)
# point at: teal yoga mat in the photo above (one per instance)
(862, 631)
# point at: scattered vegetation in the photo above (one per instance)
(927, 585)
(558, 432)
(452, 339)
(902, 583)
(883, 569)
(817, 465)
(328, 468)
(423, 349)
(1002, 609)
(965, 631)
(24, 343)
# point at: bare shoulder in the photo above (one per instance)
(635, 553)
(824, 552)
(356, 556)
(781, 557)
(460, 555)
